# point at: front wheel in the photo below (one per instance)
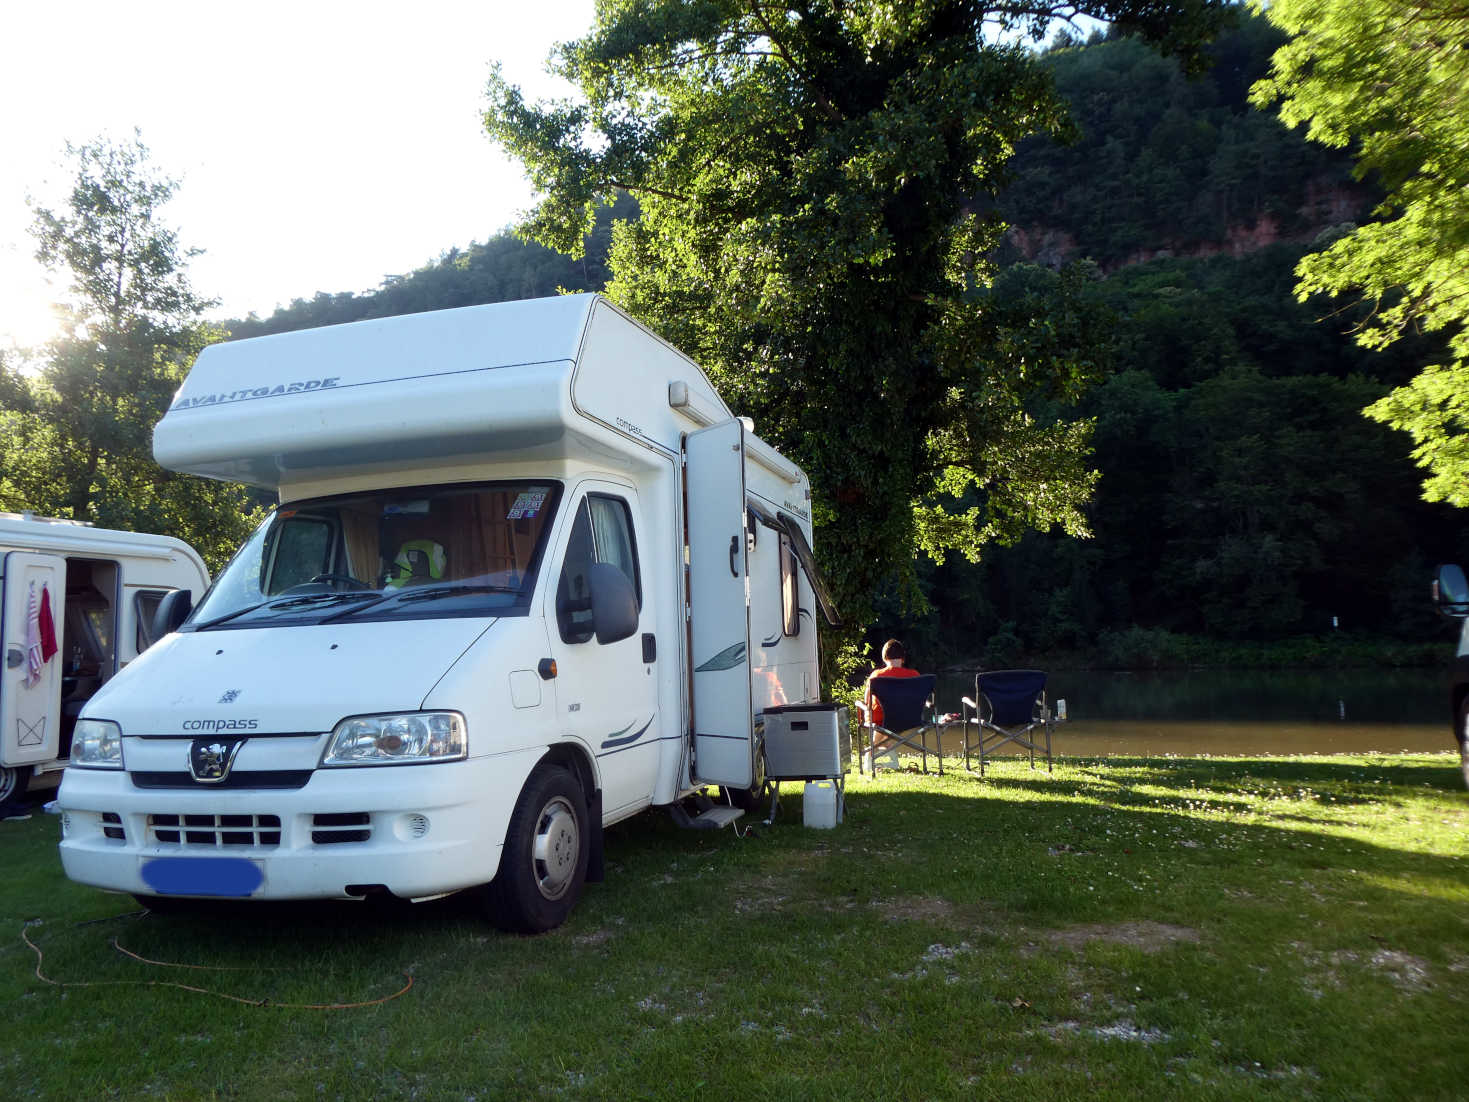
(544, 863)
(12, 784)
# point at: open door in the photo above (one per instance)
(30, 706)
(719, 606)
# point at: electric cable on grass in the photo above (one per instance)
(40, 975)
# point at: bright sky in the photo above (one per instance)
(321, 145)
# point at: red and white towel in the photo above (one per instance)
(40, 635)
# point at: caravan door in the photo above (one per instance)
(719, 606)
(30, 708)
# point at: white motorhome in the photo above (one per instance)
(76, 606)
(528, 577)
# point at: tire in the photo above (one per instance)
(12, 785)
(748, 799)
(544, 862)
(1464, 740)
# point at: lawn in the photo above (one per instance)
(1121, 928)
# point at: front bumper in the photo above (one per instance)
(415, 830)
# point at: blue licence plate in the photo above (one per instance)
(232, 877)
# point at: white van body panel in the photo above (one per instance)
(283, 682)
(569, 390)
(107, 572)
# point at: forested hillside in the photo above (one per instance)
(1244, 497)
(501, 269)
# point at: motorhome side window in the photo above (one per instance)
(302, 551)
(790, 587)
(145, 604)
(602, 533)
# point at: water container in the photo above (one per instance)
(822, 806)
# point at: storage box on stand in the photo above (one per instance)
(807, 742)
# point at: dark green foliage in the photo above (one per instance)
(1243, 495)
(1163, 164)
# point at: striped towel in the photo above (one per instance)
(34, 661)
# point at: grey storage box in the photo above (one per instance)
(807, 741)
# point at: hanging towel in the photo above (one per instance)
(34, 661)
(47, 627)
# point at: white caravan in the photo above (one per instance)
(528, 577)
(76, 606)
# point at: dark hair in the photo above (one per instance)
(893, 649)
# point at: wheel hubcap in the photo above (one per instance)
(557, 848)
(7, 782)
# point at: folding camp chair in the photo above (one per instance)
(904, 701)
(1007, 706)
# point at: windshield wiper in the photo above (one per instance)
(423, 593)
(288, 602)
(434, 592)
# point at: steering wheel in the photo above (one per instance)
(341, 578)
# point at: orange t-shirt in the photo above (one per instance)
(887, 671)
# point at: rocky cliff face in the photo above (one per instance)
(1326, 205)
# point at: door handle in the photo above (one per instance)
(734, 549)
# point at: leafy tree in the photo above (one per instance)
(80, 427)
(816, 181)
(1386, 77)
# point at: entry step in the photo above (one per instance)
(711, 818)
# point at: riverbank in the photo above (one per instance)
(1137, 648)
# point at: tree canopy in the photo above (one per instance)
(1387, 78)
(816, 183)
(78, 429)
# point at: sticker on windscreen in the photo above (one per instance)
(527, 505)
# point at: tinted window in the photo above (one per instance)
(602, 533)
(790, 587)
(145, 604)
(302, 548)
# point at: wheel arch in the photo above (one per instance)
(574, 758)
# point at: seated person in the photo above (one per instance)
(895, 664)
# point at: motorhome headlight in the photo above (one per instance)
(97, 744)
(402, 739)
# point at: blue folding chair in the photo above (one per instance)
(1007, 706)
(904, 701)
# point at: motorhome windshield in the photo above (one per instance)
(469, 550)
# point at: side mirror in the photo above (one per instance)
(172, 611)
(1451, 591)
(614, 603)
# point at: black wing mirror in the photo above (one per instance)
(172, 611)
(1451, 591)
(614, 603)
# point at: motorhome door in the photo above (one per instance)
(30, 701)
(719, 605)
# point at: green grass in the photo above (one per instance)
(1123, 928)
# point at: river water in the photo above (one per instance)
(1240, 711)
